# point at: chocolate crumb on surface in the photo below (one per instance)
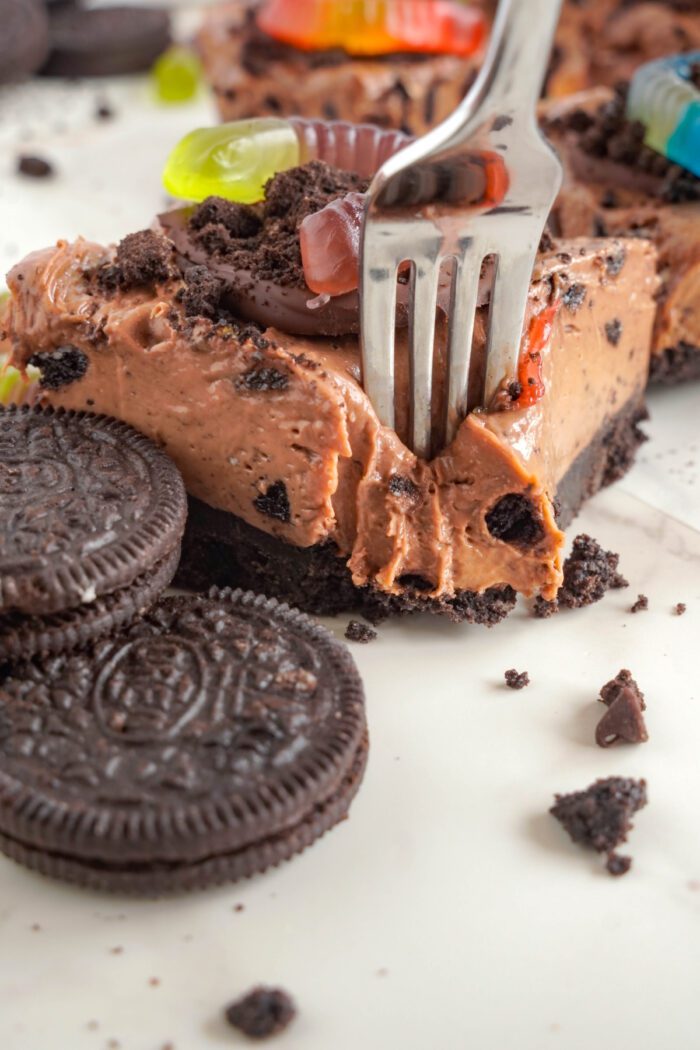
(359, 632)
(589, 572)
(641, 604)
(34, 167)
(680, 608)
(516, 679)
(624, 719)
(103, 111)
(262, 1012)
(618, 865)
(600, 817)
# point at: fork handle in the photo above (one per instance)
(514, 69)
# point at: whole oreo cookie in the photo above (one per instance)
(106, 41)
(216, 737)
(87, 505)
(24, 38)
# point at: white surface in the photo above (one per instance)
(450, 911)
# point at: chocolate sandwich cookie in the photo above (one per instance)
(216, 737)
(87, 506)
(24, 38)
(106, 41)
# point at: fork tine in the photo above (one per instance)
(423, 293)
(377, 323)
(508, 301)
(463, 300)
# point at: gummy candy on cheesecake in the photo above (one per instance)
(375, 27)
(177, 75)
(663, 97)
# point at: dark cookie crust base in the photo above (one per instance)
(221, 549)
(676, 364)
(159, 879)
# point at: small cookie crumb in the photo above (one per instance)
(680, 608)
(589, 572)
(262, 1012)
(359, 632)
(154, 981)
(617, 865)
(103, 111)
(34, 167)
(641, 604)
(516, 679)
(600, 817)
(624, 719)
(239, 907)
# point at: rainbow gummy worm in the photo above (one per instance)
(663, 97)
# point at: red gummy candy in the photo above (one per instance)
(530, 364)
(330, 245)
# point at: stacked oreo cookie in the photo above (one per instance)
(150, 745)
(63, 38)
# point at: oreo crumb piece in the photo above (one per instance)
(262, 1012)
(617, 865)
(400, 485)
(60, 367)
(641, 604)
(202, 292)
(574, 296)
(600, 817)
(614, 262)
(624, 719)
(589, 572)
(142, 258)
(239, 220)
(516, 679)
(514, 519)
(543, 609)
(34, 167)
(103, 111)
(613, 331)
(264, 379)
(680, 608)
(500, 122)
(359, 632)
(274, 502)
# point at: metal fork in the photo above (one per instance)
(414, 214)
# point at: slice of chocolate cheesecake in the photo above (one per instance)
(253, 74)
(204, 335)
(615, 185)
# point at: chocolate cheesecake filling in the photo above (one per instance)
(614, 185)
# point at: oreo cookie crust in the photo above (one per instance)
(218, 736)
(87, 505)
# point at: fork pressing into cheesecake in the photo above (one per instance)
(479, 185)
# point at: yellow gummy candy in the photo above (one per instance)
(231, 160)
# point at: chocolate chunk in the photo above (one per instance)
(34, 167)
(402, 486)
(515, 519)
(641, 604)
(24, 39)
(617, 865)
(574, 296)
(624, 720)
(263, 379)
(106, 41)
(142, 259)
(600, 817)
(589, 572)
(613, 331)
(274, 502)
(202, 292)
(359, 632)
(60, 367)
(122, 766)
(614, 262)
(93, 505)
(262, 1012)
(516, 679)
(680, 608)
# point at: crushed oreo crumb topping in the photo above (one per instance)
(262, 1012)
(274, 502)
(142, 259)
(360, 632)
(400, 485)
(202, 292)
(60, 367)
(264, 379)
